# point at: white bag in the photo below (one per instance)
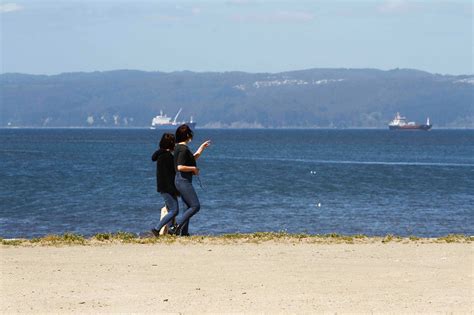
(164, 229)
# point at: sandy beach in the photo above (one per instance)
(269, 277)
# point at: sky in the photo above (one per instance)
(51, 37)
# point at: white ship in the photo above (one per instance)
(162, 121)
(401, 123)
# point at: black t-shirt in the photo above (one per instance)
(182, 156)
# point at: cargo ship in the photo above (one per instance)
(400, 123)
(162, 121)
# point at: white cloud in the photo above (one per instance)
(394, 6)
(10, 7)
(196, 11)
(275, 17)
(167, 18)
(239, 2)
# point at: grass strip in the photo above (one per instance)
(234, 238)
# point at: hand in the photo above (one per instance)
(204, 145)
(196, 171)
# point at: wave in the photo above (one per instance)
(348, 162)
(21, 151)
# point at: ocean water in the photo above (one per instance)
(373, 182)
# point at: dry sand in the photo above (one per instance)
(249, 278)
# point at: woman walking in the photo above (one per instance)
(186, 167)
(165, 176)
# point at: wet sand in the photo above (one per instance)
(223, 278)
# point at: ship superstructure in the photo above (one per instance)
(162, 121)
(400, 123)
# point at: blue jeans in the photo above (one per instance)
(171, 203)
(190, 199)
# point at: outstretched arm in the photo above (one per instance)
(203, 146)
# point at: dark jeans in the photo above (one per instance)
(190, 199)
(171, 203)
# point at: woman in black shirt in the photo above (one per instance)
(165, 176)
(185, 162)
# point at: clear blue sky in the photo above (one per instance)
(49, 37)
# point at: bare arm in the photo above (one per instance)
(203, 146)
(188, 169)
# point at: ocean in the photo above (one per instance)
(372, 182)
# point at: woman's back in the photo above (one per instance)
(165, 171)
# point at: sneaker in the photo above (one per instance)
(155, 232)
(174, 230)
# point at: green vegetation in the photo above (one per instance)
(12, 242)
(233, 238)
(387, 238)
(124, 236)
(455, 238)
(236, 98)
(67, 239)
(102, 237)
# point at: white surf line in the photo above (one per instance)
(348, 162)
(22, 151)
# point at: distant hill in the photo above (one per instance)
(308, 98)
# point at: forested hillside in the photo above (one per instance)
(307, 98)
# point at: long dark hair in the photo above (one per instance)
(167, 141)
(183, 133)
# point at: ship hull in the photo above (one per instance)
(191, 125)
(411, 127)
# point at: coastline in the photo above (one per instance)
(383, 128)
(244, 275)
(235, 238)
